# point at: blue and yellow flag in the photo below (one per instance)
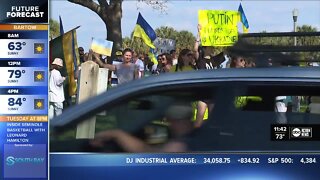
(102, 46)
(243, 19)
(152, 56)
(144, 30)
(66, 48)
(61, 26)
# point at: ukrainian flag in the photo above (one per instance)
(152, 56)
(243, 19)
(66, 48)
(144, 30)
(102, 46)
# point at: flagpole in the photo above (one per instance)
(70, 30)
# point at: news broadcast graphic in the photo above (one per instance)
(184, 166)
(21, 11)
(295, 132)
(24, 89)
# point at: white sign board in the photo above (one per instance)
(164, 45)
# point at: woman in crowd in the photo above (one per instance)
(186, 61)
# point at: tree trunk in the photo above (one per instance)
(112, 19)
(111, 14)
(113, 27)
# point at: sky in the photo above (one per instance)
(262, 15)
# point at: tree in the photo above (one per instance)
(184, 39)
(307, 40)
(166, 32)
(54, 29)
(288, 41)
(110, 11)
(135, 43)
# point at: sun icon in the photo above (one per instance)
(39, 48)
(39, 104)
(39, 76)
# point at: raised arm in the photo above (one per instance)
(101, 64)
(197, 43)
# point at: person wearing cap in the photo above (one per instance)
(56, 92)
(178, 115)
(119, 54)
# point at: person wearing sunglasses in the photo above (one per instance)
(237, 62)
(166, 63)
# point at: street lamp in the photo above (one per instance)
(295, 18)
(295, 99)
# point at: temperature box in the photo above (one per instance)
(23, 104)
(20, 48)
(23, 76)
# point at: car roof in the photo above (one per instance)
(281, 74)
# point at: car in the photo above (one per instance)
(138, 108)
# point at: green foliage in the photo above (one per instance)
(54, 29)
(135, 43)
(166, 32)
(184, 39)
(287, 41)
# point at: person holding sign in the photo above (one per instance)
(126, 71)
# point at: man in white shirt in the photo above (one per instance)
(56, 93)
(139, 63)
(281, 109)
(174, 57)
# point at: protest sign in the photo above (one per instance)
(164, 45)
(218, 27)
(102, 46)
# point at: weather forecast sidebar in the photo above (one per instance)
(24, 89)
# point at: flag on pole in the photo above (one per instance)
(61, 26)
(102, 46)
(144, 31)
(243, 19)
(66, 48)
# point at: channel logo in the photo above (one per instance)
(10, 160)
(301, 132)
(25, 161)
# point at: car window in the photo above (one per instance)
(239, 115)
